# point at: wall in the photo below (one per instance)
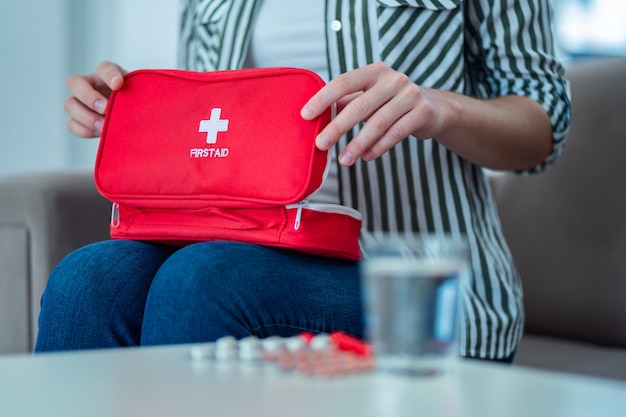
(42, 42)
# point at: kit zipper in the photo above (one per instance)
(300, 206)
(321, 207)
(115, 216)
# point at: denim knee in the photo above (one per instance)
(213, 289)
(194, 295)
(95, 297)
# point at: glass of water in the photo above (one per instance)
(411, 288)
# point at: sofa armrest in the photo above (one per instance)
(43, 217)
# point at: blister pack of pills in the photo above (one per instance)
(322, 355)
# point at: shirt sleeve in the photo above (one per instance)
(510, 50)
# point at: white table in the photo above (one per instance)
(164, 381)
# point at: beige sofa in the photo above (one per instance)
(566, 228)
(43, 216)
(567, 231)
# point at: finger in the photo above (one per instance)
(80, 130)
(410, 115)
(324, 142)
(93, 90)
(111, 74)
(343, 85)
(376, 127)
(83, 88)
(343, 101)
(409, 98)
(396, 133)
(356, 111)
(83, 122)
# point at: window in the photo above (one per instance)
(590, 27)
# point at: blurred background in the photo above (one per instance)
(44, 41)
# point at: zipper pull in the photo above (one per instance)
(115, 216)
(301, 205)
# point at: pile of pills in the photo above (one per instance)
(316, 355)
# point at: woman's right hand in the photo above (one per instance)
(88, 98)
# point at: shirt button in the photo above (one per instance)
(335, 25)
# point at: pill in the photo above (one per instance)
(202, 352)
(226, 348)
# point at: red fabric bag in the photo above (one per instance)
(188, 156)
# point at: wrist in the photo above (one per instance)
(449, 109)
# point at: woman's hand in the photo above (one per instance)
(88, 98)
(392, 106)
(510, 132)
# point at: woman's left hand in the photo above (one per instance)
(502, 133)
(390, 104)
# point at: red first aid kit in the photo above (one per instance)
(197, 156)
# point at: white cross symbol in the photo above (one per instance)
(213, 126)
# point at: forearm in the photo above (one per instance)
(505, 133)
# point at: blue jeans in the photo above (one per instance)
(128, 293)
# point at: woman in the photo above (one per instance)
(428, 94)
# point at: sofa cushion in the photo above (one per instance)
(564, 355)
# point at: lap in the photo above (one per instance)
(241, 289)
(161, 294)
(265, 269)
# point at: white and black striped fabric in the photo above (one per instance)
(484, 48)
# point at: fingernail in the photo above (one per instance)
(307, 112)
(98, 126)
(115, 80)
(100, 106)
(323, 142)
(346, 159)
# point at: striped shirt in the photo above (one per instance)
(483, 48)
